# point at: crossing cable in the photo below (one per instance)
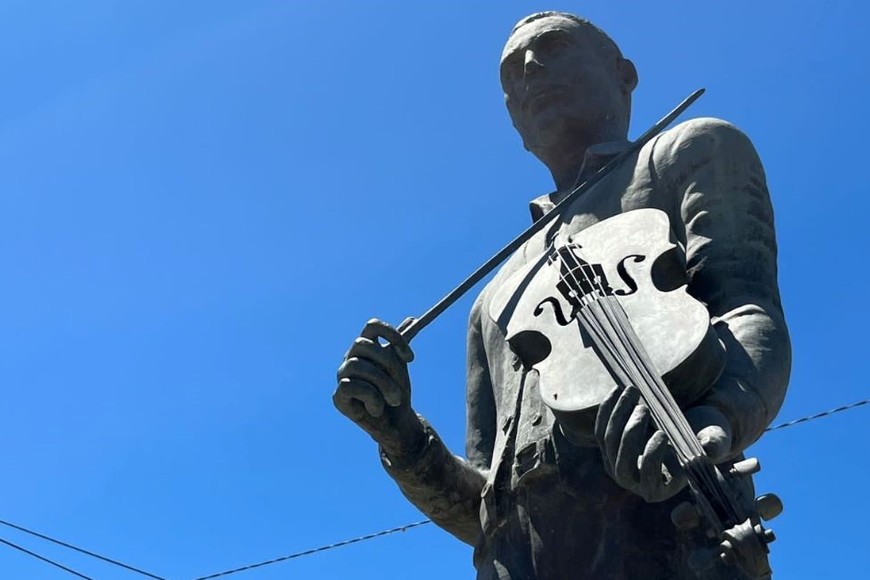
(315, 550)
(80, 550)
(818, 415)
(44, 559)
(424, 522)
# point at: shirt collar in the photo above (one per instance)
(596, 157)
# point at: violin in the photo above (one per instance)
(608, 306)
(630, 258)
(590, 293)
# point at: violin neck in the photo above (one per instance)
(604, 319)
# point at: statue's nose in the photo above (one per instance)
(532, 65)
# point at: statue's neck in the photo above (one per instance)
(567, 175)
(566, 159)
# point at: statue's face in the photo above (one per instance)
(555, 74)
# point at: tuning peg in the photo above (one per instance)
(685, 516)
(746, 467)
(768, 506)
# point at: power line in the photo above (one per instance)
(416, 524)
(81, 550)
(315, 550)
(818, 415)
(44, 559)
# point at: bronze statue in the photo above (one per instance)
(555, 492)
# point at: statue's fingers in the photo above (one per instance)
(376, 329)
(350, 392)
(618, 419)
(652, 479)
(357, 368)
(627, 469)
(605, 409)
(385, 358)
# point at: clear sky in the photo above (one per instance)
(202, 202)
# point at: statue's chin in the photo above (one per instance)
(549, 131)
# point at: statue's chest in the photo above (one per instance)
(622, 192)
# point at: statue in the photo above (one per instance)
(547, 494)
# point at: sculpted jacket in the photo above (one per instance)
(533, 504)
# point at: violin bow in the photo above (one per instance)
(418, 324)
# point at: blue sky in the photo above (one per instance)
(201, 203)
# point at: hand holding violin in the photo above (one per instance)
(374, 389)
(634, 453)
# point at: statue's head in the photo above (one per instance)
(565, 82)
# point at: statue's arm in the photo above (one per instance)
(731, 261)
(445, 487)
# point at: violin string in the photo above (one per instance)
(698, 465)
(673, 421)
(596, 331)
(650, 386)
(691, 445)
(595, 323)
(640, 358)
(597, 320)
(676, 428)
(624, 345)
(593, 326)
(607, 350)
(698, 468)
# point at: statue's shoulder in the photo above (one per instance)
(703, 128)
(697, 140)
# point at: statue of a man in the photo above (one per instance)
(535, 500)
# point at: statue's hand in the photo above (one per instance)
(374, 389)
(638, 457)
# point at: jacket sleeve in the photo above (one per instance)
(443, 486)
(727, 218)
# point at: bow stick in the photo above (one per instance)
(418, 324)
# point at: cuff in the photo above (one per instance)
(418, 458)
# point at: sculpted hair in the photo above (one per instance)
(605, 43)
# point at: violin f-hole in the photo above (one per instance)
(625, 276)
(561, 319)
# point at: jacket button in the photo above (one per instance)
(536, 420)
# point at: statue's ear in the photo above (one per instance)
(628, 74)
